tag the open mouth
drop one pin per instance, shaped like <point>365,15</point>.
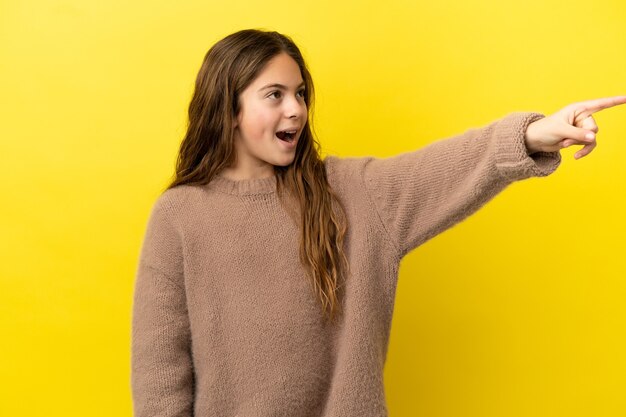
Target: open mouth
<point>286,135</point>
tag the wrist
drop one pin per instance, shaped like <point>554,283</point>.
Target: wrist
<point>529,141</point>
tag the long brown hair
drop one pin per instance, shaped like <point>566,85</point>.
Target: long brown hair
<point>207,148</point>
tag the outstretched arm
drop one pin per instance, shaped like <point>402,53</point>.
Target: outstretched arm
<point>422,193</point>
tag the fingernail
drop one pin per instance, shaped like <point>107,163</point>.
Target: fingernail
<point>590,136</point>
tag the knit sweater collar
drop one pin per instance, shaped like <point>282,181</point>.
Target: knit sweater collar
<point>244,187</point>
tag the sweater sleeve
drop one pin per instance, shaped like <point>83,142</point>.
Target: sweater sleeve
<point>421,193</point>
<point>162,370</point>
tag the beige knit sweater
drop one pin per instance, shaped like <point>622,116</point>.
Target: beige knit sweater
<point>224,319</point>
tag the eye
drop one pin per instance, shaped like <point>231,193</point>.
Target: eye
<point>277,93</point>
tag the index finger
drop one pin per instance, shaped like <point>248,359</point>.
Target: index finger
<point>590,107</point>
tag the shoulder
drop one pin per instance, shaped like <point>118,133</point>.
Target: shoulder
<point>345,169</point>
<point>346,175</point>
<point>174,202</point>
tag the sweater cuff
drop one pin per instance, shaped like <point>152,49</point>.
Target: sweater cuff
<point>512,158</point>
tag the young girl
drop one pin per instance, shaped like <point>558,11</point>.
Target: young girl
<point>266,279</point>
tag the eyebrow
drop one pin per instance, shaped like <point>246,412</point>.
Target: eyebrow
<point>279,86</point>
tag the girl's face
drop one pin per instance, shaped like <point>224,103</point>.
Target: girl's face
<point>272,104</point>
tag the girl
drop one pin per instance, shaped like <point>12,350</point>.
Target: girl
<point>266,279</point>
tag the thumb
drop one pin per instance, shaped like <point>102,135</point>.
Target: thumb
<point>579,135</point>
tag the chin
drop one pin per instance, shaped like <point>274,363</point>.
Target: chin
<point>284,162</point>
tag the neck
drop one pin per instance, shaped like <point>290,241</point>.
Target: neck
<point>239,175</point>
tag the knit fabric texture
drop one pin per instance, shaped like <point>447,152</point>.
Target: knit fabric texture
<point>224,320</point>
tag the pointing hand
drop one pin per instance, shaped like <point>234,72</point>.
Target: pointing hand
<point>572,125</point>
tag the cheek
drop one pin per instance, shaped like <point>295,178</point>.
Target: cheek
<point>260,123</point>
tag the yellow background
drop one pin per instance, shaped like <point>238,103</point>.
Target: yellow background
<point>517,311</point>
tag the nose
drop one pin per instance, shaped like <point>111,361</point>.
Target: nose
<point>295,108</point>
